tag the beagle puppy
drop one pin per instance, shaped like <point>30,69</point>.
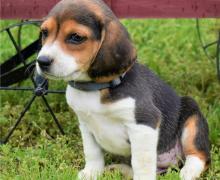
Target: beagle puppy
<point>122,106</point>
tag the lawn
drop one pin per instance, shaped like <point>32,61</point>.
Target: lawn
<point>169,47</point>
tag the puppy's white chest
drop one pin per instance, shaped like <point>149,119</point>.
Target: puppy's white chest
<point>107,122</point>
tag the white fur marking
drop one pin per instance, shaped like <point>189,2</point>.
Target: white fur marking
<point>192,169</point>
<point>101,125</point>
<point>64,66</point>
<point>105,121</point>
<point>93,156</point>
<point>144,141</point>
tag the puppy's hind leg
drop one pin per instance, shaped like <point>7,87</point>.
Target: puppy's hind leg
<point>195,142</point>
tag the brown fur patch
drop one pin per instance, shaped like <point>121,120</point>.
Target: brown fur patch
<point>106,78</point>
<point>51,26</point>
<point>189,148</point>
<point>105,96</point>
<point>83,53</point>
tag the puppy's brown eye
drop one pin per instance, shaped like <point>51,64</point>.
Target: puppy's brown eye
<point>44,33</point>
<point>75,39</point>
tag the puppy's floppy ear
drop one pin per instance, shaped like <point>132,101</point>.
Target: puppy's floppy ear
<point>116,54</point>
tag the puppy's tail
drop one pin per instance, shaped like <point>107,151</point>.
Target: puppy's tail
<point>190,113</point>
<point>124,169</point>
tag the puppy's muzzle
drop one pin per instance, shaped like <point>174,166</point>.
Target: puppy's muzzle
<point>44,62</point>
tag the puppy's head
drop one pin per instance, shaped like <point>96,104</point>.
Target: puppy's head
<point>82,40</point>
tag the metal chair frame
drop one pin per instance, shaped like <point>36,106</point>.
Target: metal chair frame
<point>40,84</point>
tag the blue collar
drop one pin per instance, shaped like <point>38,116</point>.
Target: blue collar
<point>94,86</point>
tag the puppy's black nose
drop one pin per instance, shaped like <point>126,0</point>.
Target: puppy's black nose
<point>44,61</point>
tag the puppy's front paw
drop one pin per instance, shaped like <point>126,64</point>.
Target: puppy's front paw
<point>90,173</point>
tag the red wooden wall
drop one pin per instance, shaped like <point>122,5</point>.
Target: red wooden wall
<point>123,8</point>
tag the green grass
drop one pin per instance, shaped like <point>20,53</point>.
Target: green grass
<point>169,47</point>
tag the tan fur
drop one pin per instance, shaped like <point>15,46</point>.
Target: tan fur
<point>105,96</point>
<point>106,78</point>
<point>51,26</point>
<point>189,147</point>
<point>85,52</point>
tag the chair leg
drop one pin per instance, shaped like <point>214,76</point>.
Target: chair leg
<point>53,115</point>
<point>27,106</point>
